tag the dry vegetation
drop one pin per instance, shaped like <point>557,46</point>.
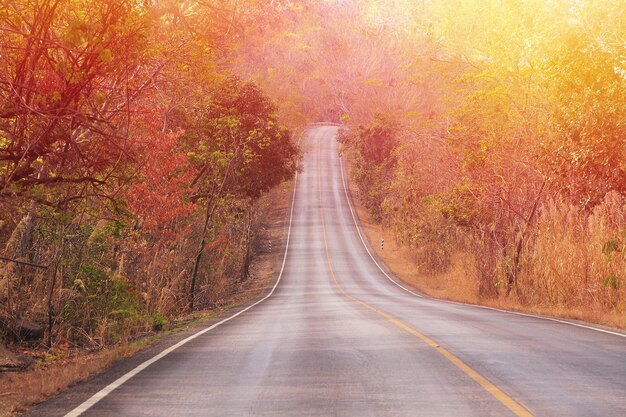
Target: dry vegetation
<point>134,167</point>
<point>491,146</point>
<point>53,370</point>
<point>565,278</point>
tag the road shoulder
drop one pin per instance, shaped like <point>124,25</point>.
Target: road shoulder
<point>396,259</point>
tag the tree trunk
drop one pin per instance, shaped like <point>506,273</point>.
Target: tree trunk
<point>196,265</point>
<point>512,278</point>
<point>53,283</point>
<point>245,270</point>
<point>211,205</point>
<point>18,248</point>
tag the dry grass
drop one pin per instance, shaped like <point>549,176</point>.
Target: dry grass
<point>59,369</point>
<point>565,273</point>
<point>20,390</point>
<point>576,263</point>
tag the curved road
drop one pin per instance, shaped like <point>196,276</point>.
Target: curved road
<point>339,338</point>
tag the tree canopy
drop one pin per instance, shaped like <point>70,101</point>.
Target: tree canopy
<point>137,139</point>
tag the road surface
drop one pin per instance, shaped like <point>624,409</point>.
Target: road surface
<point>338,338</point>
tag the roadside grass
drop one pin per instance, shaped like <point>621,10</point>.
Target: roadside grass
<point>59,368</point>
<point>457,284</point>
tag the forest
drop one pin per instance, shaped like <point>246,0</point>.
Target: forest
<point>138,136</point>
<point>132,160</point>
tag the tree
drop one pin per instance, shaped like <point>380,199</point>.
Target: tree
<point>239,152</point>
<point>66,90</point>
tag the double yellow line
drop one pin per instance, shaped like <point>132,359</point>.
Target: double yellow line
<point>490,387</point>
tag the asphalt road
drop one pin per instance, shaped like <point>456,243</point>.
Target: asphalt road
<point>338,338</point>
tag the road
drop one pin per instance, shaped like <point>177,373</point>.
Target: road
<point>338,338</point>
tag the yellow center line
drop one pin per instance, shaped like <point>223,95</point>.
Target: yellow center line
<point>517,409</point>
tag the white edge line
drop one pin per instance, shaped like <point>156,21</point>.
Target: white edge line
<point>358,230</point>
<point>343,180</point>
<point>115,384</point>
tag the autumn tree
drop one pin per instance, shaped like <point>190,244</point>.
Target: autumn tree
<point>128,150</point>
<point>68,81</point>
<point>69,78</point>
<point>518,106</point>
<point>239,151</point>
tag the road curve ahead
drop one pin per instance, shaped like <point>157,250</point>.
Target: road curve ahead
<point>339,338</point>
